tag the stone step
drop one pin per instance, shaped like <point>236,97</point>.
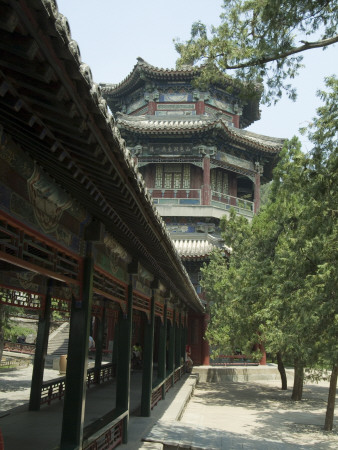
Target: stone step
<point>58,341</point>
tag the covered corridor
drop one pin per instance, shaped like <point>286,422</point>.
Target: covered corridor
<point>79,234</point>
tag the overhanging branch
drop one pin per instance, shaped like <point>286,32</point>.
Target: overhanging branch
<point>293,51</point>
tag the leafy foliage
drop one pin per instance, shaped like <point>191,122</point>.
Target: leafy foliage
<point>261,40</point>
<point>280,285</point>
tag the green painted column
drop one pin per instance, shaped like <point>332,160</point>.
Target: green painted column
<point>162,346</point>
<point>178,343</point>
<point>77,361</point>
<point>183,341</point>
<point>147,373</point>
<point>171,352</point>
<point>161,373</point>
<point>123,358</point>
<point>99,344</point>
<point>41,350</point>
<point>124,354</point>
<point>115,348</point>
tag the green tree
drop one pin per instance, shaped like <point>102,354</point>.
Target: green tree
<point>261,40</point>
<point>322,195</point>
<point>280,286</point>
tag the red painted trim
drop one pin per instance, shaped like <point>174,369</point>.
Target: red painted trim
<point>170,315</point>
<point>22,290</point>
<point>34,268</point>
<point>108,275</point>
<point>26,229</point>
<point>141,295</point>
<point>159,314</point>
<point>109,296</point>
<point>144,297</point>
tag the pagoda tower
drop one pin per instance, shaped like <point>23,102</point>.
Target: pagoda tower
<point>196,158</point>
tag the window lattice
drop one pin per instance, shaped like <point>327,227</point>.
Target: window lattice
<point>172,176</point>
<point>186,176</point>
<point>219,181</point>
<point>158,176</point>
<point>177,180</point>
<point>167,180</point>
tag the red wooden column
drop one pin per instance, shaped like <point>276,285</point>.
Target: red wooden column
<point>232,188</point>
<point>235,120</point>
<point>152,108</point>
<point>206,188</point>
<point>257,191</point>
<point>200,107</point>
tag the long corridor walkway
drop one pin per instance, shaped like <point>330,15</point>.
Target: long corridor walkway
<point>41,430</point>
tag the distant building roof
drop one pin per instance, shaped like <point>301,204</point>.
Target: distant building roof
<point>148,124</point>
<point>198,246</point>
<point>143,72</point>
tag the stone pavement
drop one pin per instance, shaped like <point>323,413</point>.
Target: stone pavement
<point>249,415</point>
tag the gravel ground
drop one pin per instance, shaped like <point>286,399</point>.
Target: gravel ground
<point>15,386</point>
<point>261,415</point>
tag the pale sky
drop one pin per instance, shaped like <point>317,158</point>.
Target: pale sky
<point>111,34</point>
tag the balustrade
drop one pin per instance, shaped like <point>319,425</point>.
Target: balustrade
<point>225,201</point>
<point>176,196</point>
<point>55,389</point>
<point>192,197</point>
<point>157,393</point>
<point>107,437</point>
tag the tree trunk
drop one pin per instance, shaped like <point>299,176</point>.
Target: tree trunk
<point>331,399</point>
<point>281,370</point>
<point>297,391</point>
<point>2,323</point>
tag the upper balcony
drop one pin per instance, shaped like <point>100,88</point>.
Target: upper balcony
<point>188,203</point>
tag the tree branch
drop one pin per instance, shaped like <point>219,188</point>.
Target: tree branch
<point>293,51</point>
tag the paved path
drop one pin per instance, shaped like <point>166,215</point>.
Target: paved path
<point>15,386</point>
<point>249,415</point>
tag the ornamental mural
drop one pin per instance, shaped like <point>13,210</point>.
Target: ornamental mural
<point>31,195</point>
<point>26,280</point>
<point>49,202</point>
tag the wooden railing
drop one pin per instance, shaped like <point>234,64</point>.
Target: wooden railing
<point>55,389</point>
<point>192,197</point>
<point>106,437</point>
<point>166,384</point>
<point>10,362</point>
<point>181,197</point>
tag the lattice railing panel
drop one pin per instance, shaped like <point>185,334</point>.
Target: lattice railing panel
<point>60,304</point>
<point>21,299</point>
<point>170,315</point>
<point>104,284</point>
<point>141,302</point>
<point>17,242</point>
<point>110,438</point>
<point>159,309</point>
